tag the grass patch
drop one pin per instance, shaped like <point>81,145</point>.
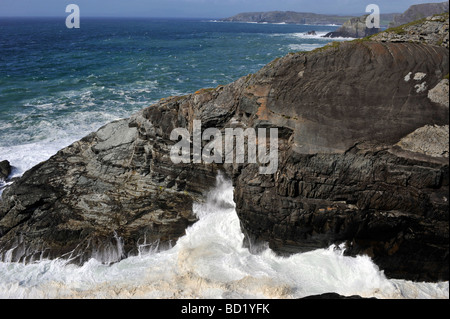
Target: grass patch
<point>201,91</point>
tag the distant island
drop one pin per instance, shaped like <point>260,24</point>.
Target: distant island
<point>350,26</point>
<point>414,12</point>
<point>419,11</point>
<point>291,17</point>
<point>356,27</point>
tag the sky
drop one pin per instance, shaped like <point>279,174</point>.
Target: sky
<point>194,8</point>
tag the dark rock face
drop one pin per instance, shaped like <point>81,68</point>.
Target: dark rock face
<point>333,187</point>
<point>5,170</point>
<point>382,203</point>
<point>342,176</point>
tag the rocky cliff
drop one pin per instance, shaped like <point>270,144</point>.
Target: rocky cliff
<point>353,28</point>
<point>350,117</point>
<point>431,30</point>
<point>419,11</point>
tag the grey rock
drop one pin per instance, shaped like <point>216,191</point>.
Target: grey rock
<point>440,93</point>
<point>429,140</point>
<point>5,170</point>
<point>431,30</point>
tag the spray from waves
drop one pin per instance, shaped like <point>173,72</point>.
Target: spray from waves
<point>37,128</point>
<point>306,41</point>
<point>304,46</point>
<point>211,262</point>
<point>318,35</point>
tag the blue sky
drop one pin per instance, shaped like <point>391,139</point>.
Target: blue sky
<point>194,8</point>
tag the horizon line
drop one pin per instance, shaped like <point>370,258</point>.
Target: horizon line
<point>181,17</point>
<point>115,17</point>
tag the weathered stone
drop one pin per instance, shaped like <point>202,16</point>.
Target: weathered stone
<point>440,93</point>
<point>429,140</point>
<point>5,170</point>
<point>431,30</point>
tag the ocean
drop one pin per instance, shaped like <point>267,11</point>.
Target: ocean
<point>58,85</point>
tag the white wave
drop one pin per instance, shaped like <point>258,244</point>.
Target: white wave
<point>305,35</point>
<point>211,262</point>
<point>319,35</point>
<point>48,137</point>
<point>23,157</point>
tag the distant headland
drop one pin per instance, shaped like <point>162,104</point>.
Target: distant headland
<point>291,17</point>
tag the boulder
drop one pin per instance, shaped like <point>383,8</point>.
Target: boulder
<point>5,170</point>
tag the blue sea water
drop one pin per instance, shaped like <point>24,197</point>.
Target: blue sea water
<point>58,85</point>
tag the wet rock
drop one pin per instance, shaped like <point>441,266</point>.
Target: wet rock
<point>5,170</point>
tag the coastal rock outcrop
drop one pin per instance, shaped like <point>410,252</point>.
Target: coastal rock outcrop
<point>111,194</point>
<point>431,30</point>
<point>5,170</point>
<point>353,28</point>
<point>345,173</point>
